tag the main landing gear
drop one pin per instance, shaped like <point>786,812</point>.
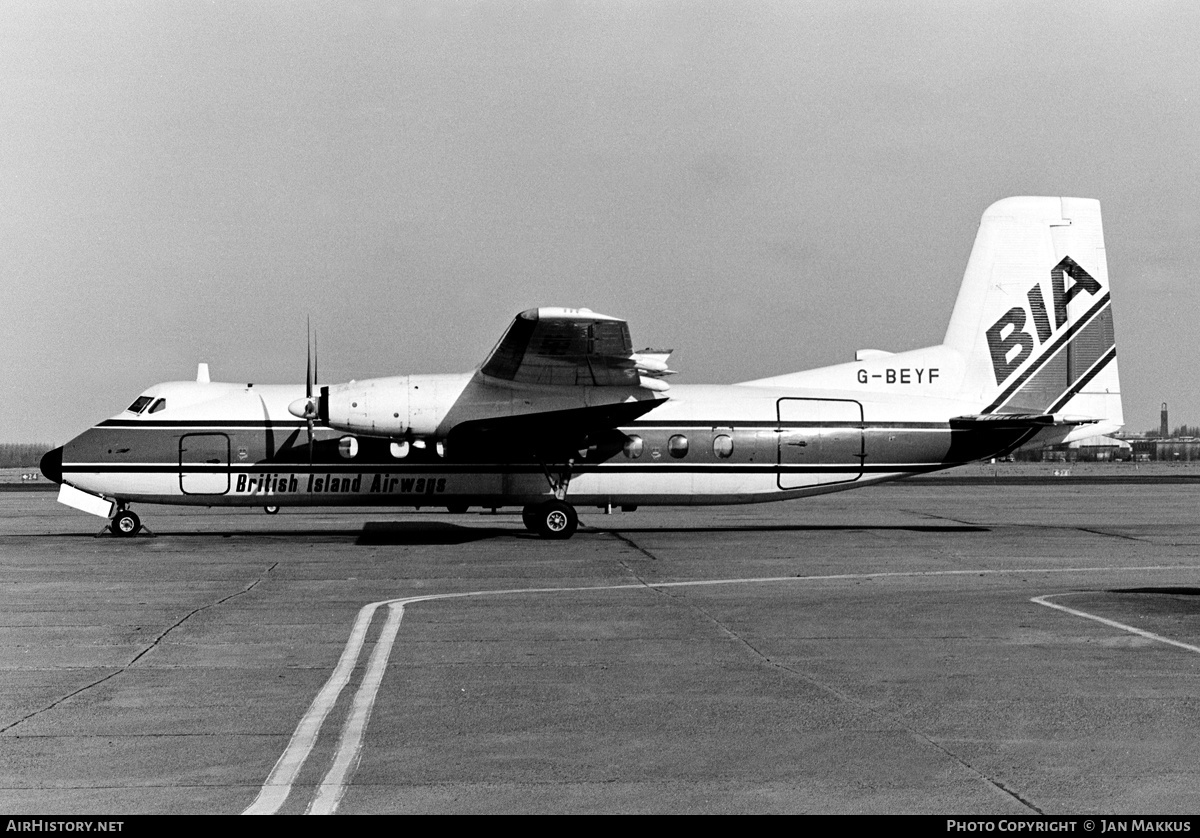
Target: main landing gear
<point>554,519</point>
<point>125,523</point>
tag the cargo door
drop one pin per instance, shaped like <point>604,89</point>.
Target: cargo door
<point>820,442</point>
<point>204,464</point>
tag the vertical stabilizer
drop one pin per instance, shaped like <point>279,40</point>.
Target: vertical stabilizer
<point>1033,320</point>
<point>1031,331</point>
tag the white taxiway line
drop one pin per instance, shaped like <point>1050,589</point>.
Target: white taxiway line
<point>330,792</point>
<point>1044,600</point>
<point>278,785</point>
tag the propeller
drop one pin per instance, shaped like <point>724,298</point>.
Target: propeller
<point>308,408</point>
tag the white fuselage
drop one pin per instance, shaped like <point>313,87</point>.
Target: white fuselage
<point>231,444</point>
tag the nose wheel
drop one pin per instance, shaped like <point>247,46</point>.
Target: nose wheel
<point>125,524</point>
<point>553,519</point>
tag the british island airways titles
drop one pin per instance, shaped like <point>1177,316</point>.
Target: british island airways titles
<point>381,483</point>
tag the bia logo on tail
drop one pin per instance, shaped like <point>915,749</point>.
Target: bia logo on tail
<point>1010,345</point>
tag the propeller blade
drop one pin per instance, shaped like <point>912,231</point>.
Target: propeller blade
<point>309,375</point>
<point>310,379</point>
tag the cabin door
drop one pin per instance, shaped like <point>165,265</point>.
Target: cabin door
<point>204,464</point>
<point>820,442</point>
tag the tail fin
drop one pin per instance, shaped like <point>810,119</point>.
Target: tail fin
<point>1031,332</point>
<point>1033,320</point>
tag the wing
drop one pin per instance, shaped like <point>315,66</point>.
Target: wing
<point>572,347</point>
<point>578,380</point>
<point>559,382</point>
<point>587,434</point>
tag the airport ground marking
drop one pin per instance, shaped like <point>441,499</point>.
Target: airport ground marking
<point>1149,635</point>
<point>330,792</point>
<point>279,783</point>
<point>332,788</point>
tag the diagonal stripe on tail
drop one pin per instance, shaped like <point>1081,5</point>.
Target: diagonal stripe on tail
<point>1065,366</point>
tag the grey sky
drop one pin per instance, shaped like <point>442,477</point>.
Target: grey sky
<point>765,187</point>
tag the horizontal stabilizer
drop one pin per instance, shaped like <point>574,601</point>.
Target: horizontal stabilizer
<point>1021,420</point>
<point>653,361</point>
<point>983,435</point>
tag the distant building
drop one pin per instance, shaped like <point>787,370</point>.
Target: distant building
<point>1096,449</point>
<point>1178,449</point>
<point>1164,449</point>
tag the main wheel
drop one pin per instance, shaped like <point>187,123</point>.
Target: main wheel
<point>125,524</point>
<point>556,519</point>
<point>457,508</point>
<point>271,510</point>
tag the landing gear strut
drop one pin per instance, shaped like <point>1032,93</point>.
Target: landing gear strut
<point>125,523</point>
<point>553,519</point>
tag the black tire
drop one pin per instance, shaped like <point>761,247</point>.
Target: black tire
<point>457,508</point>
<point>125,524</point>
<point>556,520</point>
<point>271,510</point>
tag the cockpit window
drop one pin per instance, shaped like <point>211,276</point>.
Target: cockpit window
<point>139,404</point>
<point>161,404</point>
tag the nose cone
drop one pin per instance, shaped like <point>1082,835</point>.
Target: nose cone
<point>51,465</point>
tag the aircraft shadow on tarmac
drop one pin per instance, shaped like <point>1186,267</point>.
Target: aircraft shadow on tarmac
<point>396,532</point>
<point>376,533</point>
<point>933,528</point>
<point>371,534</point>
<point>422,532</point>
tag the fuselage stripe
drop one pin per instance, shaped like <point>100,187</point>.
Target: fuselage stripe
<point>484,468</point>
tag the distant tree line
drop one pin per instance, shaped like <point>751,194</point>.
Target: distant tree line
<point>1182,430</point>
<point>22,454</point>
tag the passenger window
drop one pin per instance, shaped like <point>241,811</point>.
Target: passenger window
<point>139,404</point>
<point>161,404</point>
<point>723,446</point>
<point>633,447</point>
<point>677,446</point>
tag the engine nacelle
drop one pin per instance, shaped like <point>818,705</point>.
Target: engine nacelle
<point>403,405</point>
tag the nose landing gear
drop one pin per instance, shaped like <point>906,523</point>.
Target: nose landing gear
<point>125,523</point>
